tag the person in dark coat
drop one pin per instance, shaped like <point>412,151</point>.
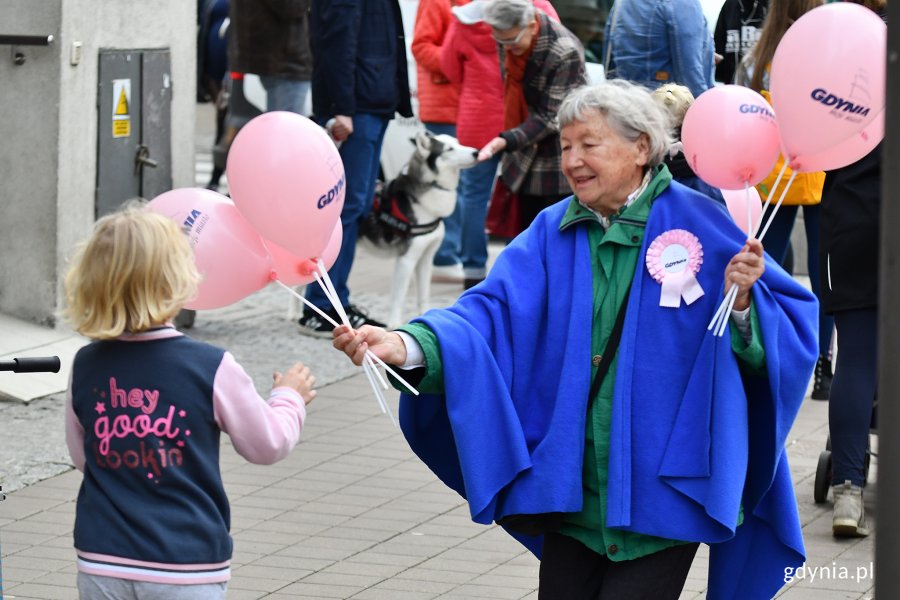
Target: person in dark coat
<point>212,66</point>
<point>737,30</point>
<point>270,38</point>
<point>359,82</point>
<point>849,243</point>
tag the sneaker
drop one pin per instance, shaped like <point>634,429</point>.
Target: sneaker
<point>822,377</point>
<point>849,514</point>
<point>312,324</point>
<point>448,273</point>
<point>358,318</point>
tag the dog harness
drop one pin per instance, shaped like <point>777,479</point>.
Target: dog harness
<point>393,210</point>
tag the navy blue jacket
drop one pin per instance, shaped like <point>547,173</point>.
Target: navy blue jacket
<point>152,476</point>
<point>359,58</point>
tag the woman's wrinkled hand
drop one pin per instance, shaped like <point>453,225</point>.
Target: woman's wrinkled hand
<point>498,144</point>
<point>386,345</point>
<point>744,269</point>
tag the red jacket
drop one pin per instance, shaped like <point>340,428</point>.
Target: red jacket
<point>438,98</point>
<point>469,58</point>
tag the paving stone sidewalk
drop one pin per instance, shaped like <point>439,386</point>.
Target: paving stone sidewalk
<point>352,513</point>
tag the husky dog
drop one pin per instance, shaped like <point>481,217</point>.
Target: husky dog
<point>406,221</point>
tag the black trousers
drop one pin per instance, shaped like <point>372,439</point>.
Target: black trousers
<point>853,393</point>
<point>572,571</point>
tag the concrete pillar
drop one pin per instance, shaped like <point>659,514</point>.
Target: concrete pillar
<point>48,130</point>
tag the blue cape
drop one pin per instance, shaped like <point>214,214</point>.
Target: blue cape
<point>690,430</point>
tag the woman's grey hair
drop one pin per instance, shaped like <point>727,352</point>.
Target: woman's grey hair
<point>506,14</point>
<point>629,110</point>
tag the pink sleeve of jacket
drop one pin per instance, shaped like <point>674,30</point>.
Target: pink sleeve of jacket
<point>74,432</point>
<point>262,431</point>
<point>452,57</point>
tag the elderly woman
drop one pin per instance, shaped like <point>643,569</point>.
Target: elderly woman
<point>577,398</point>
<point>542,62</point>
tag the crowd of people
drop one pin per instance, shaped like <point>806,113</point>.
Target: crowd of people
<point>598,422</point>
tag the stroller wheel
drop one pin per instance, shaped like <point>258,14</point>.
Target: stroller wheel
<point>823,477</point>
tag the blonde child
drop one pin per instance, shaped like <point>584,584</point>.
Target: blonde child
<point>676,99</point>
<point>145,407</point>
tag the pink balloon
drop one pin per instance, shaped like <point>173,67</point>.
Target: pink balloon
<point>828,77</point>
<point>293,270</point>
<point>847,152</point>
<point>228,252</point>
<point>730,137</point>
<point>286,177</point>
<point>737,200</point>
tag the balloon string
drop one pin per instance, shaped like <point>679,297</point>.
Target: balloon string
<point>770,194</point>
<point>716,321</point>
<point>727,314</point>
<point>309,304</point>
<point>749,209</point>
<point>370,356</point>
<point>720,318</point>
<point>777,206</point>
<point>369,367</point>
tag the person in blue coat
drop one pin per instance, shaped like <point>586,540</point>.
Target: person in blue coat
<point>614,481</point>
<point>654,42</point>
<point>359,82</point>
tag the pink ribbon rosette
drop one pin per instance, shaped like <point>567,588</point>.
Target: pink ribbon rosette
<point>673,259</point>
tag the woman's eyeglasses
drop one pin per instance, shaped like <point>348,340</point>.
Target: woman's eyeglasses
<point>513,41</point>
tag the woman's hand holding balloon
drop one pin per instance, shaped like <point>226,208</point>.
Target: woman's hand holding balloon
<point>386,345</point>
<point>745,268</point>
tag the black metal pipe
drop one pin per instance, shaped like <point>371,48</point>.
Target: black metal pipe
<point>36,364</point>
<point>887,540</point>
<point>25,40</point>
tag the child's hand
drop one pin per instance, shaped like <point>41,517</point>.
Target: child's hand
<point>299,378</point>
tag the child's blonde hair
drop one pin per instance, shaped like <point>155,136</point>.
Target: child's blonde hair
<point>677,99</point>
<point>135,272</point>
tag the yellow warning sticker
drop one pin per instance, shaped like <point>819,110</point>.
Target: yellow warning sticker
<point>121,117</point>
<point>121,129</point>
